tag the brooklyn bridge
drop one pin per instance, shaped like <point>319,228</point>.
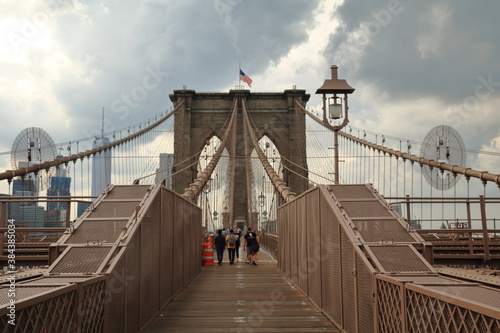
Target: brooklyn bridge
<point>359,231</point>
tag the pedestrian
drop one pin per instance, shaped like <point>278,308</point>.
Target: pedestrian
<point>237,232</point>
<point>251,246</point>
<point>231,245</point>
<point>220,245</point>
<point>256,248</point>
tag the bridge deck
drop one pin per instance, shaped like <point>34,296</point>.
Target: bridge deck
<point>241,298</point>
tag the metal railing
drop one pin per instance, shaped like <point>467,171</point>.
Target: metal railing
<point>270,243</point>
<point>34,235</point>
<point>440,305</point>
<point>133,250</point>
<point>356,259</point>
<point>473,237</point>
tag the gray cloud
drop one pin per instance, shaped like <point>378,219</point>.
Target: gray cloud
<point>469,47</point>
<point>103,54</point>
<point>189,40</point>
<point>423,49</point>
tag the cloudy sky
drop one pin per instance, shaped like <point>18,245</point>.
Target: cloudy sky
<point>414,64</point>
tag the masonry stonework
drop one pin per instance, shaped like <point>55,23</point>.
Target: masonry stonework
<point>273,115</point>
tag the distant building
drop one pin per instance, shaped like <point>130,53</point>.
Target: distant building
<point>81,208</point>
<point>33,216</point>
<point>397,208</point>
<point>101,167</point>
<point>26,213</point>
<point>26,186</point>
<point>30,183</point>
<point>16,210</point>
<point>59,185</point>
<point>165,169</point>
<point>416,224</point>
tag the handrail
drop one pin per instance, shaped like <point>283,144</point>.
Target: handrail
<point>10,174</point>
<point>455,169</point>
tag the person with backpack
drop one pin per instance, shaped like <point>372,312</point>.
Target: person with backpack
<point>251,246</point>
<point>231,245</point>
<point>237,232</point>
<point>220,245</point>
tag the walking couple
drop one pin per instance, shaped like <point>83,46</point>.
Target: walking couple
<point>231,240</point>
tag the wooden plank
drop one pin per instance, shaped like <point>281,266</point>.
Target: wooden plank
<point>241,298</point>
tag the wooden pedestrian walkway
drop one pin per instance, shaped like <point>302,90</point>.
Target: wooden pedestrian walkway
<point>241,298</point>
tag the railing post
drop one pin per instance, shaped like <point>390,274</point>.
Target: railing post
<point>3,220</point>
<point>408,215</point>
<point>486,237</point>
<point>68,212</point>
<point>336,154</point>
<point>404,305</point>
<point>3,213</point>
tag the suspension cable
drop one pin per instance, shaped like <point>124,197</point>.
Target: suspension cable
<point>455,169</point>
<point>194,189</point>
<point>276,180</point>
<point>10,174</point>
<point>301,167</point>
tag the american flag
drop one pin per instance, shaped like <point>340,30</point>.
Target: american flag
<point>245,78</point>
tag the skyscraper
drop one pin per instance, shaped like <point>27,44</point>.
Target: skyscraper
<point>22,187</point>
<point>29,183</point>
<point>59,185</point>
<point>101,166</point>
<point>165,169</point>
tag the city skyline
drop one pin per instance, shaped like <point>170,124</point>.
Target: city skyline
<point>415,65</point>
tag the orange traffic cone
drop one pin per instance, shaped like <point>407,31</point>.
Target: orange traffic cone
<point>208,253</point>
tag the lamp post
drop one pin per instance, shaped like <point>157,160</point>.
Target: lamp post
<point>261,204</point>
<point>206,190</point>
<point>265,222</point>
<point>336,110</point>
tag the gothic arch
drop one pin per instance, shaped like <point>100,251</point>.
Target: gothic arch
<point>274,115</point>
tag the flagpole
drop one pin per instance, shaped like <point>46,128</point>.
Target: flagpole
<point>239,76</point>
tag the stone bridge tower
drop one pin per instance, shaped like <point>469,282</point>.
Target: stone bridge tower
<point>273,114</point>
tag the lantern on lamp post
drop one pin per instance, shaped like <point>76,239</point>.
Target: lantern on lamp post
<point>261,204</point>
<point>337,108</point>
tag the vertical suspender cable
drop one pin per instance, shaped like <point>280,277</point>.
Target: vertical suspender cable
<point>404,176</point>
<point>421,194</point>
<point>390,177</point>
<point>430,210</point>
